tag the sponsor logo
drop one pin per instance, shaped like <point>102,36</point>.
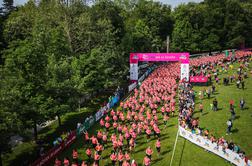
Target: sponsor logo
<point>206,144</point>
<point>135,56</point>
<point>198,140</point>
<point>183,57</point>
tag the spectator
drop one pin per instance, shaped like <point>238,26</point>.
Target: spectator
<point>229,126</point>
<point>213,88</point>
<point>208,93</point>
<point>201,108</point>
<point>242,103</point>
<point>238,83</point>
<point>231,103</point>
<point>232,113</point>
<point>215,104</point>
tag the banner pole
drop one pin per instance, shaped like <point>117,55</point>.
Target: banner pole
<point>174,147</point>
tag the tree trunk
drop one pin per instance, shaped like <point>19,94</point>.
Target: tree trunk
<point>1,162</point>
<point>35,130</point>
<point>59,120</point>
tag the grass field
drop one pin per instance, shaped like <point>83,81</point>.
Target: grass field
<point>188,154</point>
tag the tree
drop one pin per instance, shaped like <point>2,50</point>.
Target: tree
<point>26,75</point>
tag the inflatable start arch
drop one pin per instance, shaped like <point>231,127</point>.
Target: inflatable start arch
<point>159,57</point>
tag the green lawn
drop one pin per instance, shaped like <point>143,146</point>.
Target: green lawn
<point>187,153</point>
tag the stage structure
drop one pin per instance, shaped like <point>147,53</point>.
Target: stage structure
<point>159,57</point>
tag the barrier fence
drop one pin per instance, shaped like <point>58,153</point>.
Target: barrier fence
<point>205,143</point>
<point>52,153</point>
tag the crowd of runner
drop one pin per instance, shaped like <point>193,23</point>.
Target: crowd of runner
<point>139,116</point>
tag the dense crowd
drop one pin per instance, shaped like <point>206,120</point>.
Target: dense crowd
<point>139,116</point>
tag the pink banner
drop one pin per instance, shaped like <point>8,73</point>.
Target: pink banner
<point>182,57</point>
<point>198,79</point>
<point>52,153</point>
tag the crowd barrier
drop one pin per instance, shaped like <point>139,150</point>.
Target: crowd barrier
<point>45,159</point>
<point>87,124</point>
<point>205,143</point>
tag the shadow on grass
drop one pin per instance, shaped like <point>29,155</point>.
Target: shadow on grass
<point>156,160</point>
<point>235,130</point>
<point>245,108</point>
<point>205,113</point>
<point>164,137</point>
<point>140,150</point>
<point>164,152</point>
<point>194,112</point>
<point>211,97</point>
<point>237,117</point>
<point>171,125</point>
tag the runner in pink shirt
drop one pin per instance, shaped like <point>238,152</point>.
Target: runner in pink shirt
<point>120,158</point>
<point>149,152</point>
<point>87,140</point>
<point>119,128</point>
<point>115,125</point>
<point>107,125</point>
<point>107,118</point>
<point>125,163</point>
<point>166,117</point>
<point>113,158</point>
<point>133,163</point>
<point>158,146</point>
<point>148,132</point>
<point>146,161</point>
<point>127,156</point>
<point>89,154</point>
<point>99,136</point>
<point>115,145</point>
<point>102,123</point>
<point>104,139</point>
